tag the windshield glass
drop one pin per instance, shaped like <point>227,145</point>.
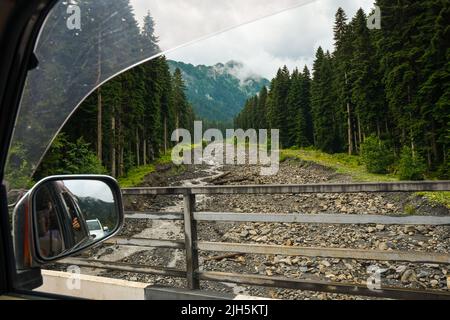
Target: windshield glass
<point>94,225</point>
<point>86,42</point>
<point>286,127</point>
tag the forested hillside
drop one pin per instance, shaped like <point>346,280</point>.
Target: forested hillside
<point>127,122</point>
<point>383,94</point>
<point>218,92</point>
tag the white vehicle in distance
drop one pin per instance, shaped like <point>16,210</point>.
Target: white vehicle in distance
<point>96,229</point>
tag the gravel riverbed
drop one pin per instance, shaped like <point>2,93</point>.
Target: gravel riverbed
<point>375,237</point>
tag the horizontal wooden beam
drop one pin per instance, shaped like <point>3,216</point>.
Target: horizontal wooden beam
<point>143,242</point>
<point>121,266</point>
<point>154,191</point>
<point>153,215</point>
<point>339,253</point>
<point>413,186</point>
<point>323,286</point>
<point>323,218</point>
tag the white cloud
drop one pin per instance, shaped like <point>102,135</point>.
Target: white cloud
<point>290,37</point>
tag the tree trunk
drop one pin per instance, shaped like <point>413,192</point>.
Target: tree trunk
<point>113,146</point>
<point>120,148</point>
<point>144,151</point>
<point>177,125</point>
<point>387,127</point>
<point>137,148</point>
<point>359,130</point>
<point>99,125</point>
<point>349,123</point>
<point>99,101</point>
<point>165,134</point>
<point>413,144</point>
<point>349,133</point>
<point>121,166</point>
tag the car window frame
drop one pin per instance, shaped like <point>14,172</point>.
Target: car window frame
<point>21,24</point>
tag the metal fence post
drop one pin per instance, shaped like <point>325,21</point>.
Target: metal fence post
<point>190,236</point>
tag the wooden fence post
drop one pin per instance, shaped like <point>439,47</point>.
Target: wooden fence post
<point>190,236</point>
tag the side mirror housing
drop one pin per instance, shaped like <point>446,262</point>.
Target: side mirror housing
<point>52,220</point>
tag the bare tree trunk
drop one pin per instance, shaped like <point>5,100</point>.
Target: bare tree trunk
<point>177,125</point>
<point>349,123</point>
<point>144,151</point>
<point>99,126</point>
<point>120,149</point>
<point>99,102</point>
<point>359,131</point>
<point>413,147</point>
<point>137,148</point>
<point>121,166</point>
<point>413,144</point>
<point>349,133</point>
<point>165,134</point>
<point>113,146</point>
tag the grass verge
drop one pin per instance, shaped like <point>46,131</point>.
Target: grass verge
<point>136,175</point>
<point>353,166</point>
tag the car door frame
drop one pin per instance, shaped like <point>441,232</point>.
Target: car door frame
<point>20,25</point>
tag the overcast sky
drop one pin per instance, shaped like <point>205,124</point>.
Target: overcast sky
<point>267,34</point>
<point>91,188</point>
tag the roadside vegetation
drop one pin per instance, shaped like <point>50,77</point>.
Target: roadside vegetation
<point>369,96</point>
<point>135,176</point>
<point>356,167</point>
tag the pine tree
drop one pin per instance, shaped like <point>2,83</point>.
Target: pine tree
<point>151,46</point>
<point>305,133</point>
<point>365,83</point>
<point>326,133</point>
<point>343,34</point>
<point>261,112</point>
<point>296,123</point>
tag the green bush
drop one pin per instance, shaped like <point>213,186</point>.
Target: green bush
<point>66,157</point>
<point>376,156</point>
<point>18,170</point>
<point>411,167</point>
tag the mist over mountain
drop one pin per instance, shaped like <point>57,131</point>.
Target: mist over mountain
<point>219,92</point>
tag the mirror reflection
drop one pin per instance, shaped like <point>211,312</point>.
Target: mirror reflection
<point>72,214</point>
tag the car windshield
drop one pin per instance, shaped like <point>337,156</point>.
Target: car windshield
<point>293,133</point>
<point>84,43</point>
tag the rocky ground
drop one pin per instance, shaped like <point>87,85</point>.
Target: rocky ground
<point>379,237</point>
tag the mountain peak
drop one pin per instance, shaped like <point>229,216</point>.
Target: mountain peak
<point>234,64</point>
<point>218,92</point>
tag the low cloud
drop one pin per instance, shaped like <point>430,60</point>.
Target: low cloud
<point>287,38</point>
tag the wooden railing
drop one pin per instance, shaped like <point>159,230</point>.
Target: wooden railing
<point>192,246</point>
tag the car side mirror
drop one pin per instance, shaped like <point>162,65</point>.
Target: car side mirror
<point>52,221</point>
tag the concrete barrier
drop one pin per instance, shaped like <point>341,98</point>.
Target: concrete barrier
<point>91,287</point>
<point>100,288</point>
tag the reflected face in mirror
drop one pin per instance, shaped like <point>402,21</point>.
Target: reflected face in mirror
<point>72,214</point>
